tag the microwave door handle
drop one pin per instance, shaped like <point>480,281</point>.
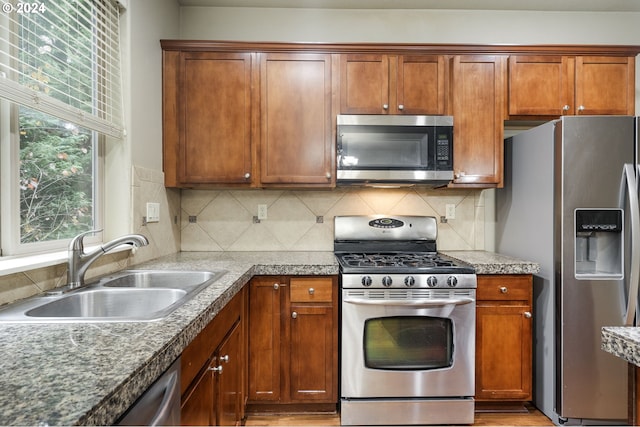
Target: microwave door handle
<point>411,303</point>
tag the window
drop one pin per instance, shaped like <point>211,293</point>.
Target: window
<point>61,100</point>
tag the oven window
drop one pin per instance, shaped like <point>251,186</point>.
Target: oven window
<point>408,343</point>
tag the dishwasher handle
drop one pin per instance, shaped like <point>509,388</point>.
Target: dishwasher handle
<point>164,414</point>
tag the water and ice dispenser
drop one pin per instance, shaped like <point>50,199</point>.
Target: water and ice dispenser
<point>599,244</point>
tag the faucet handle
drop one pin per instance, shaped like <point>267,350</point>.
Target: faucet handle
<point>76,242</point>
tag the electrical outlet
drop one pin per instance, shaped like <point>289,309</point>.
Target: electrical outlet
<point>262,212</point>
<point>450,211</point>
<point>153,212</point>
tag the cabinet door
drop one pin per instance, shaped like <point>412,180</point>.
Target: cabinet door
<point>214,116</point>
<point>264,342</point>
<point>364,84</point>
<point>478,103</point>
<point>504,337</point>
<point>312,353</point>
<point>503,359</point>
<point>197,405</point>
<point>229,390</point>
<point>541,85</point>
<point>605,85</point>
<point>420,85</point>
<point>297,124</point>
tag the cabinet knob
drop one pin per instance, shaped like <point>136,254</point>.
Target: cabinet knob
<point>385,106</point>
<point>581,108</point>
<point>400,107</point>
<point>224,358</point>
<point>312,291</point>
<point>294,315</point>
<point>217,369</point>
<point>565,108</point>
<point>527,314</point>
<point>276,286</point>
<point>504,289</point>
<point>247,175</point>
<point>328,175</point>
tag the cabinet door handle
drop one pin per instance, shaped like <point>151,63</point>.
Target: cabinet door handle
<point>294,315</point>
<point>565,108</point>
<point>503,289</point>
<point>217,369</point>
<point>385,106</point>
<point>276,286</point>
<point>328,175</point>
<point>312,291</point>
<point>400,107</point>
<point>528,315</point>
<point>224,358</point>
<point>580,108</point>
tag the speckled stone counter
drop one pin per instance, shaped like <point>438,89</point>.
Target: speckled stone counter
<point>493,263</point>
<point>622,341</point>
<point>90,373</point>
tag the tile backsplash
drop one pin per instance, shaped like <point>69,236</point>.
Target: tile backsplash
<point>303,220</point>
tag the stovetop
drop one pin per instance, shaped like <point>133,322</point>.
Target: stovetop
<point>401,263</point>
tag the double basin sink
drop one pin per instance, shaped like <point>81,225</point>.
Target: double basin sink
<point>127,296</point>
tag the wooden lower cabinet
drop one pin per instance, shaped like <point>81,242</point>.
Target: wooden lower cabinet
<point>213,370</point>
<point>504,338</point>
<point>293,342</point>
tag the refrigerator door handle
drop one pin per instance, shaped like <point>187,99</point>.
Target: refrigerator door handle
<point>629,182</point>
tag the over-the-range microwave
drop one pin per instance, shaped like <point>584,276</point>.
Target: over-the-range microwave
<point>394,149</point>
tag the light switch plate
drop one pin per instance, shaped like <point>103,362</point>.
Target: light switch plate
<point>153,212</point>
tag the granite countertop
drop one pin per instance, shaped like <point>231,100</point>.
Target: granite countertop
<point>90,373</point>
<point>493,263</point>
<point>622,341</point>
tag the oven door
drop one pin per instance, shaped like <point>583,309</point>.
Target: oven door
<point>408,343</point>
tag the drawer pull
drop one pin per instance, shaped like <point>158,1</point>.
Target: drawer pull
<point>527,314</point>
<point>217,369</point>
<point>294,315</point>
<point>225,358</point>
<point>312,291</point>
<point>503,289</point>
<point>276,286</point>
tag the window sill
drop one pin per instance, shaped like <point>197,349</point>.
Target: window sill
<point>22,263</point>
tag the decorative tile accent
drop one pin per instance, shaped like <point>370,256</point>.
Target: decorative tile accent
<point>225,218</point>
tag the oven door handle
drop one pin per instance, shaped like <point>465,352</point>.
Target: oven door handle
<point>411,303</point>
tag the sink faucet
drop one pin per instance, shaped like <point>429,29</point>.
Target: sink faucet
<point>79,261</point>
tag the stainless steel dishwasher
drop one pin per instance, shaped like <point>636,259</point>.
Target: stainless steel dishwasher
<point>159,405</point>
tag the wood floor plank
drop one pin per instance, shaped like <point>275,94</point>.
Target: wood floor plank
<point>532,417</point>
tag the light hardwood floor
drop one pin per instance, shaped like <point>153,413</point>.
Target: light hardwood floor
<point>532,417</point>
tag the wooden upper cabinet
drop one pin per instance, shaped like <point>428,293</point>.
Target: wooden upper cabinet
<point>213,118</point>
<point>297,120</point>
<point>605,85</point>
<point>540,85</point>
<point>570,85</point>
<point>392,84</point>
<point>477,91</point>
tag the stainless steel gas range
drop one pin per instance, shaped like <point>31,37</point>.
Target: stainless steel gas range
<point>407,324</point>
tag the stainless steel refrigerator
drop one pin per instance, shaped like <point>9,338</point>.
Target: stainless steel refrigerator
<point>570,203</point>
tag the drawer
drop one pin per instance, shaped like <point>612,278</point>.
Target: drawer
<point>310,289</point>
<point>504,287</point>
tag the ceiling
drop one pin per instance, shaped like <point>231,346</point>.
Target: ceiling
<point>534,5</point>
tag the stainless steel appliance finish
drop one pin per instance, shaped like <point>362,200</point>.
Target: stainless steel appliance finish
<point>570,204</point>
<point>160,404</point>
<point>378,149</point>
<point>408,324</point>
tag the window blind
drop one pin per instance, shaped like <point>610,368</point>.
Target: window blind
<point>63,58</point>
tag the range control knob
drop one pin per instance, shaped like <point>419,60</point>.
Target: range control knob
<point>366,281</point>
<point>386,281</point>
<point>409,281</point>
<point>452,281</point>
<point>432,281</point>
